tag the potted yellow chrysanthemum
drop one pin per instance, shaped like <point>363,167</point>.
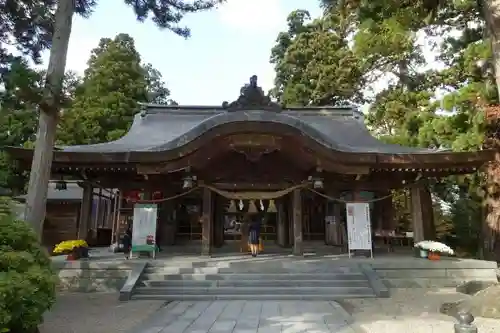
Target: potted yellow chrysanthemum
<point>75,249</point>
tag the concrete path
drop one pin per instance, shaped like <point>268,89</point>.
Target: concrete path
<point>248,317</point>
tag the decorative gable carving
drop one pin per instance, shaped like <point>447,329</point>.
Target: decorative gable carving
<point>252,97</point>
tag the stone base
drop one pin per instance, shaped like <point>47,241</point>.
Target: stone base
<point>448,272</point>
<point>395,272</point>
<point>88,276</point>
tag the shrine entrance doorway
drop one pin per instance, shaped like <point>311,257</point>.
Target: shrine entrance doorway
<point>232,218</point>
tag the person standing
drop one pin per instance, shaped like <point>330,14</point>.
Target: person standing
<point>127,242</point>
<point>254,236</point>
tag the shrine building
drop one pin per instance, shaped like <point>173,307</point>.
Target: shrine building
<point>209,167</point>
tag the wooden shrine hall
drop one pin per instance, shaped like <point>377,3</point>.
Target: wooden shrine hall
<point>208,168</point>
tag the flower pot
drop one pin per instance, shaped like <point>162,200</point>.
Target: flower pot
<point>423,253</point>
<point>434,256</point>
<point>80,252</point>
<point>84,252</point>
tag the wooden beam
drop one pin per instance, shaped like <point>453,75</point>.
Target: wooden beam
<point>85,212</point>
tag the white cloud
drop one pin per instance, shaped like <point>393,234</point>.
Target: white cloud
<point>253,15</point>
<point>79,52</point>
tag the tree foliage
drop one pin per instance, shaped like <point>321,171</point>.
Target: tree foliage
<point>107,99</point>
<point>165,14</point>
<point>377,52</point>
<point>22,89</point>
<point>314,63</point>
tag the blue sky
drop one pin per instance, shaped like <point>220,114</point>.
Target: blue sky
<point>227,46</point>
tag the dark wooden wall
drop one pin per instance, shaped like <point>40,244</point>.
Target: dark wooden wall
<point>61,222</point>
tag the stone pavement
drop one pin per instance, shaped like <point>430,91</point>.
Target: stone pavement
<point>96,313</point>
<point>248,317</point>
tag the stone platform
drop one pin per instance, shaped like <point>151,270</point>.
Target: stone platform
<point>106,271</point>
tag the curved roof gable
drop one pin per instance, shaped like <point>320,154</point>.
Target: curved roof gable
<point>160,128</point>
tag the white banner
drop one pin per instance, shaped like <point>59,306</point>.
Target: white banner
<point>359,232</point>
<point>144,228</point>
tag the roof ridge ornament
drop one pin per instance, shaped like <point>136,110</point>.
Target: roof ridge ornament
<point>252,97</point>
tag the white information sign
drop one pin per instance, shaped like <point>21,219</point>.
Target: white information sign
<point>144,228</point>
<point>359,235</point>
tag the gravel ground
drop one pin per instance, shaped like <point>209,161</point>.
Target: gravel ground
<point>96,313</point>
<point>411,311</point>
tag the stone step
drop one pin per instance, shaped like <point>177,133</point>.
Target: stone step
<point>182,270</point>
<point>252,269</point>
<point>254,276</point>
<point>256,283</point>
<point>255,290</point>
<point>251,297</point>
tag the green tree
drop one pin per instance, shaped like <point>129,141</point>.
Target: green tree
<point>406,111</point>
<point>472,78</point>
<point>166,14</point>
<point>157,92</point>
<point>22,88</point>
<point>107,100</point>
<point>314,63</point>
<point>19,29</point>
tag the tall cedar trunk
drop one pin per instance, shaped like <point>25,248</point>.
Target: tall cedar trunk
<point>491,225</point>
<point>49,112</point>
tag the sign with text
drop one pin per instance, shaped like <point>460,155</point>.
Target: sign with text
<point>359,234</point>
<point>144,228</point>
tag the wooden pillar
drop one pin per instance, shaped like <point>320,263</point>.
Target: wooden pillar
<point>390,222</point>
<point>422,213</point>
<point>298,246</point>
<point>333,227</point>
<point>207,223</point>
<point>341,228</point>
<point>282,236</point>
<point>377,216</point>
<point>85,211</point>
<point>428,213</point>
<point>383,212</point>
<point>289,220</point>
<point>218,230</point>
<point>329,223</point>
<point>167,221</point>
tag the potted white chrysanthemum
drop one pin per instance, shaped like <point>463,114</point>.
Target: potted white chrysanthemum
<point>433,250</point>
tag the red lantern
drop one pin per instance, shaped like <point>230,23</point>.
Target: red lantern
<point>132,195</point>
<point>157,195</point>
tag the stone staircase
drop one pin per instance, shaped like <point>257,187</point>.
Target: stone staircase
<point>258,279</point>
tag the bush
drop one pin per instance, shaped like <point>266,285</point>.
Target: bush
<point>27,281</point>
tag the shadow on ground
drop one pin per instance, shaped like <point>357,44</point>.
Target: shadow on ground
<point>96,313</point>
